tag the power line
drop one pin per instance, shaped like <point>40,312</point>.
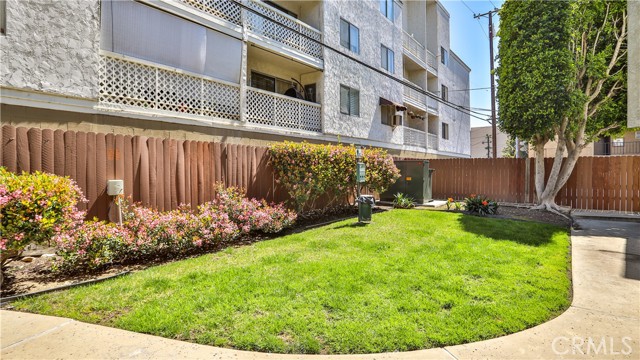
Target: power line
<point>494,5</point>
<point>479,23</point>
<point>482,88</point>
<point>405,83</point>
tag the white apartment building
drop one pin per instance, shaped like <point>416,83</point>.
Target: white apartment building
<point>242,71</point>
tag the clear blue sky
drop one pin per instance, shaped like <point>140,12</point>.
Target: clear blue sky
<point>469,40</point>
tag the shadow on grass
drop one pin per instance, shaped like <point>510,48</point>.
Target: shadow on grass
<point>350,225</point>
<point>522,232</point>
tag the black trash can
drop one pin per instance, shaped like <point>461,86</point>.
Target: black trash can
<point>365,206</point>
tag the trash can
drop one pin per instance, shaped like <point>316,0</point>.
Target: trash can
<point>365,204</point>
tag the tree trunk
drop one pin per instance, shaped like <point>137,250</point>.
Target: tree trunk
<point>539,179</point>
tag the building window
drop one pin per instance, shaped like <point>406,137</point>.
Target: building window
<point>444,92</point>
<point>3,17</point>
<point>269,83</point>
<point>386,8</point>
<point>386,114</point>
<point>349,101</point>
<point>445,131</point>
<point>349,36</point>
<point>444,56</point>
<point>386,57</point>
<point>637,135</point>
<point>618,142</point>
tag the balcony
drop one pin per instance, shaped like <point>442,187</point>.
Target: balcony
<point>414,97</point>
<point>142,86</point>
<point>419,54</point>
<point>432,103</point>
<point>271,109</point>
<point>139,86</point>
<point>263,30</point>
<point>432,141</point>
<point>414,137</point>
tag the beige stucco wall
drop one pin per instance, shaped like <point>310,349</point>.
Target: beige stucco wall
<point>478,135</point>
<point>51,46</point>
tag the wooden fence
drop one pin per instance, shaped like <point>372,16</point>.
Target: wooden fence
<point>161,173</point>
<point>600,182</point>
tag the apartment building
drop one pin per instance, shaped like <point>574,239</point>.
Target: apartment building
<point>376,73</point>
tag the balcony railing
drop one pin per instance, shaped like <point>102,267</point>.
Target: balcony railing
<point>415,137</point>
<point>432,141</point>
<point>432,103</point>
<point>162,90</point>
<point>613,148</point>
<point>267,108</point>
<point>415,96</point>
<point>288,35</point>
<point>414,47</point>
<point>137,85</point>
<point>432,62</point>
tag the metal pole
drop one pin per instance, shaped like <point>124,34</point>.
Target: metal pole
<point>517,148</point>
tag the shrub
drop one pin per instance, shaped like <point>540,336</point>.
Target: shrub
<point>148,233</point>
<point>34,208</point>
<point>480,205</point>
<point>308,171</point>
<point>402,201</point>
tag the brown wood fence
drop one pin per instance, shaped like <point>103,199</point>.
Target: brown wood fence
<point>161,173</point>
<point>600,182</point>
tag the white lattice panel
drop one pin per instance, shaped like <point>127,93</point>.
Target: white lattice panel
<point>283,34</point>
<point>227,10</point>
<point>265,108</point>
<point>133,84</point>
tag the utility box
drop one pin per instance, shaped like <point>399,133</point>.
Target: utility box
<point>115,187</point>
<point>415,181</point>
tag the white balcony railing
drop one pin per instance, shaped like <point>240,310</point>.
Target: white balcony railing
<point>288,35</point>
<point>414,47</point>
<point>432,62</point>
<point>415,96</point>
<point>158,89</point>
<point>415,137</point>
<point>432,102</point>
<point>432,141</point>
<point>267,108</point>
<point>137,85</point>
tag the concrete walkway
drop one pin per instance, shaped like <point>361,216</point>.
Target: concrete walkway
<point>603,322</point>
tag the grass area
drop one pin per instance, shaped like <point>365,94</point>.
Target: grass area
<point>410,280</point>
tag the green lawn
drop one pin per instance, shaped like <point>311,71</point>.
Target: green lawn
<point>412,279</point>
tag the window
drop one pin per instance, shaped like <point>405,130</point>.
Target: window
<point>618,142</point>
<point>3,17</point>
<point>386,8</point>
<point>637,135</point>
<point>444,56</point>
<point>349,36</point>
<point>386,57</point>
<point>386,114</point>
<point>444,93</point>
<point>269,83</point>
<point>349,101</point>
<point>445,131</point>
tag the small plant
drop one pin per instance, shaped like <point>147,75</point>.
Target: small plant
<point>402,201</point>
<point>480,205</point>
<point>449,202</point>
<point>458,206</point>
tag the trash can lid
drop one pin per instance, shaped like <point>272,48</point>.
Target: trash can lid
<point>366,199</point>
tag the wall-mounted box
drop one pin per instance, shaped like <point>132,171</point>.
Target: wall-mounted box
<point>115,187</point>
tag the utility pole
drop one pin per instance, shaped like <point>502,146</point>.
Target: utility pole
<point>489,14</point>
<point>488,143</point>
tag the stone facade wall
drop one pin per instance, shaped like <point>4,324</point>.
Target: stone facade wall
<point>52,46</point>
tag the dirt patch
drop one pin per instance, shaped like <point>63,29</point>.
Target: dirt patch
<point>523,213</point>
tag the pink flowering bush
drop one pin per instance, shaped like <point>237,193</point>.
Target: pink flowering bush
<point>35,208</point>
<point>309,171</point>
<point>148,233</point>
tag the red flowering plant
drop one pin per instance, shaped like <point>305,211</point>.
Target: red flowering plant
<point>478,204</point>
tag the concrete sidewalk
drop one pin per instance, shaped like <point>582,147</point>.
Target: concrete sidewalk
<point>603,321</point>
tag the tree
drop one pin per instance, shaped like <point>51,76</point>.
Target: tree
<point>562,76</point>
<point>509,150</point>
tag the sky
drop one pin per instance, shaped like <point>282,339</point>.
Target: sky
<point>470,42</point>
